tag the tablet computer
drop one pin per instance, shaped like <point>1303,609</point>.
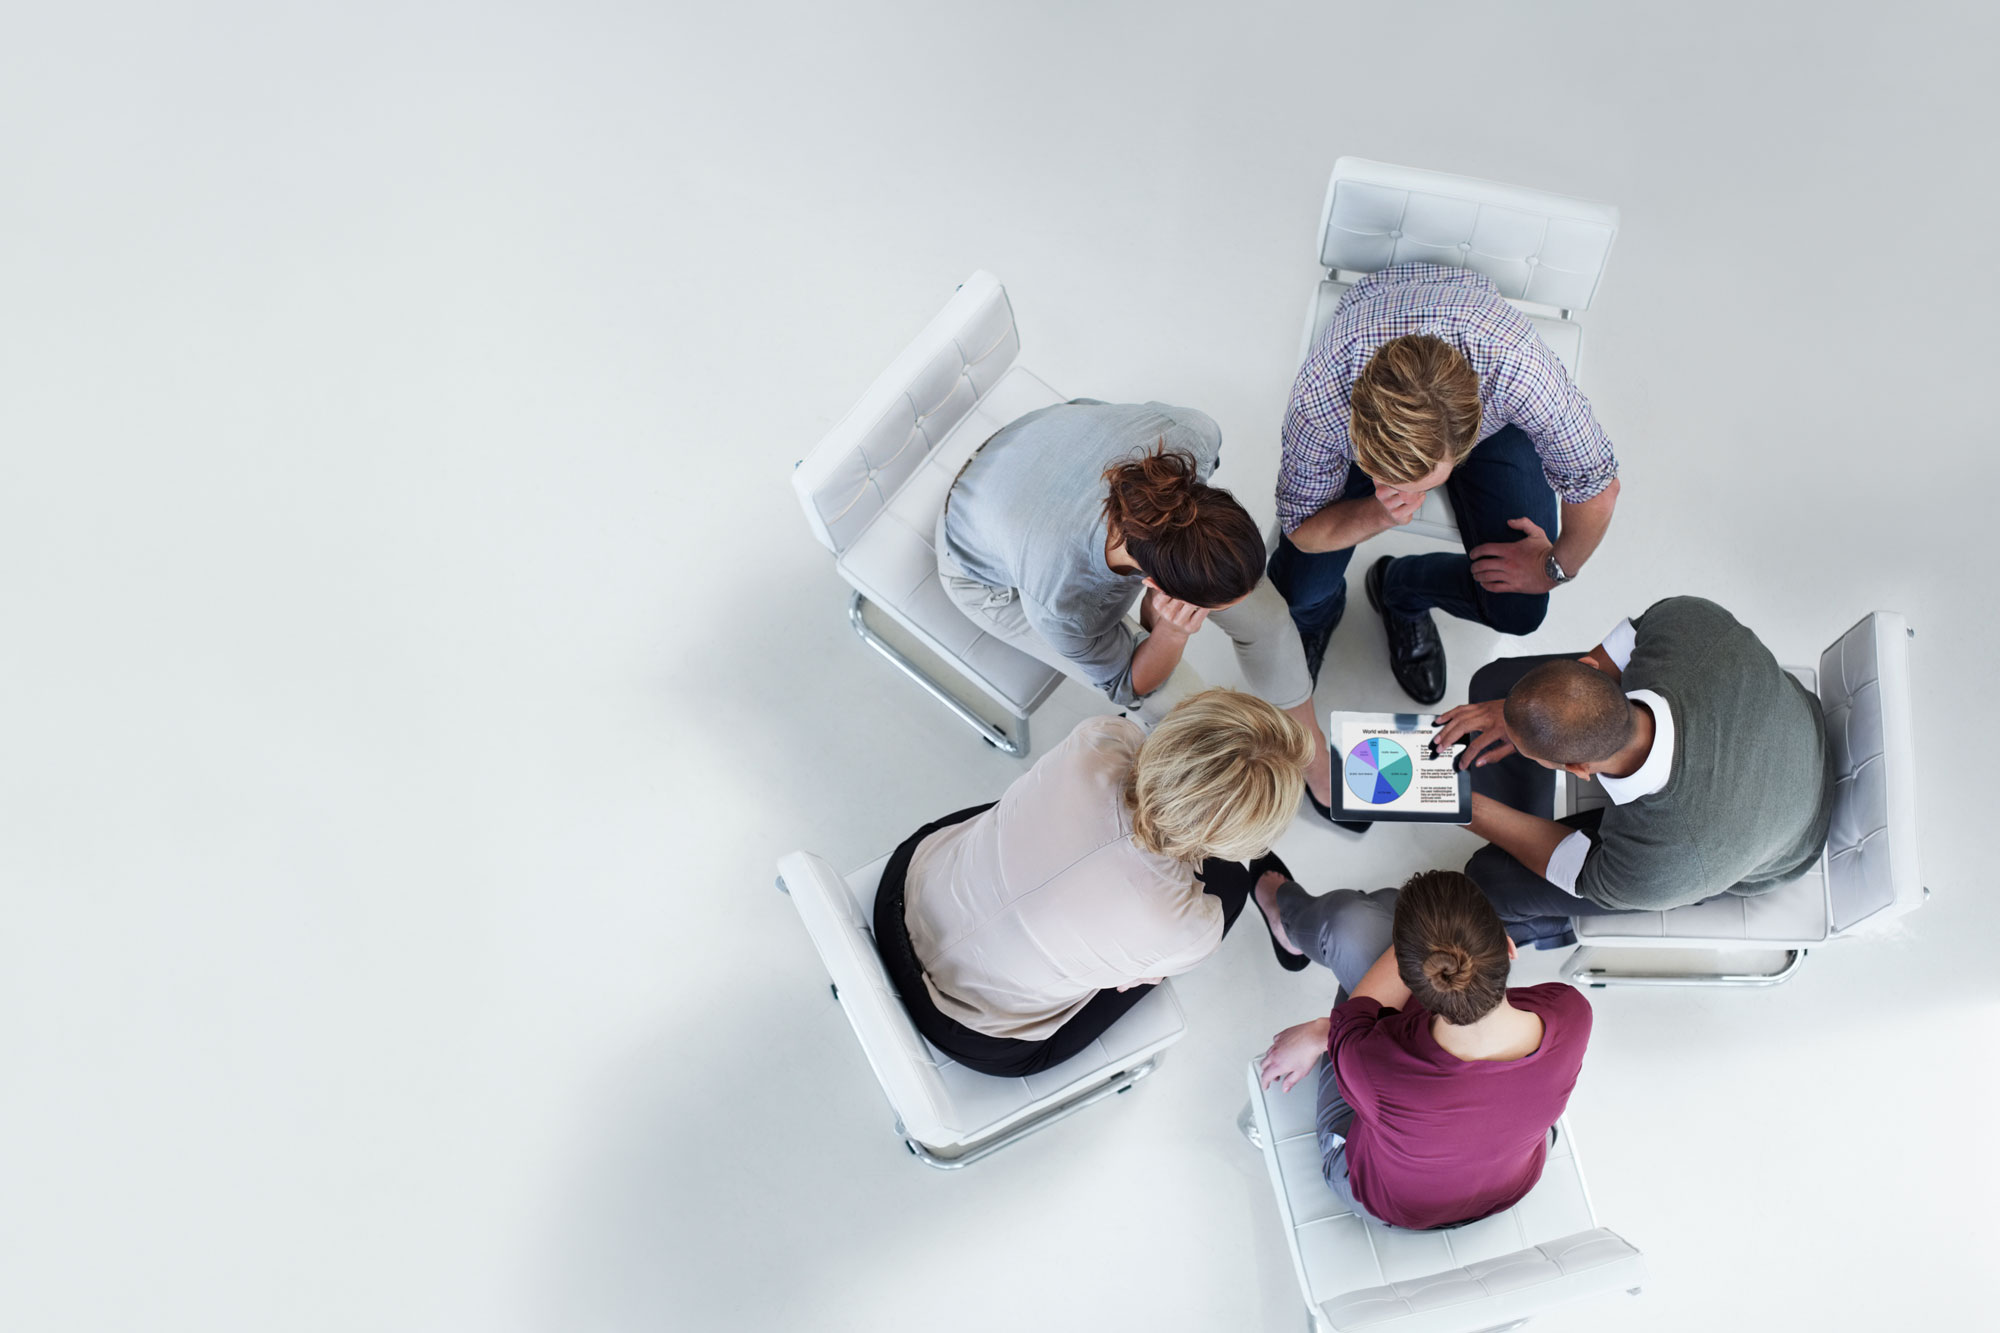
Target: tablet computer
<point>1384,770</point>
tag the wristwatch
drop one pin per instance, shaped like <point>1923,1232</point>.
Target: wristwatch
<point>1554,570</point>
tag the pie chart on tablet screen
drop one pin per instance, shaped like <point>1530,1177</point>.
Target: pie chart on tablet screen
<point>1379,770</point>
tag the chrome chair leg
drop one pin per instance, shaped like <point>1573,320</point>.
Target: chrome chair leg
<point>1578,972</point>
<point>1015,745</point>
<point>1117,1083</point>
<point>1246,1125</point>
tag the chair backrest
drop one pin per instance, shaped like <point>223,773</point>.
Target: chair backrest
<point>1494,1293</point>
<point>864,460</point>
<point>1547,248</point>
<point>896,1051</point>
<point>1871,847</point>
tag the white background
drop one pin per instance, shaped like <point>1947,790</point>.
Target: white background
<point>412,659</point>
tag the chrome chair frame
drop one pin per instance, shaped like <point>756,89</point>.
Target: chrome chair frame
<point>1015,746</point>
<point>1122,1081</point>
<point>962,1155</point>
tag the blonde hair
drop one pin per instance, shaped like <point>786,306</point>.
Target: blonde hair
<point>1221,776</point>
<point>1415,405</point>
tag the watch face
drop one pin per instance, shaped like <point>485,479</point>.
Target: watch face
<point>1555,571</point>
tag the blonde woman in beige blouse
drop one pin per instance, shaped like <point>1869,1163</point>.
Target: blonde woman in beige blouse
<point>1018,932</point>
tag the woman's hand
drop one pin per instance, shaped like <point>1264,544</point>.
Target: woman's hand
<point>1162,614</point>
<point>1293,1053</point>
<point>1489,719</point>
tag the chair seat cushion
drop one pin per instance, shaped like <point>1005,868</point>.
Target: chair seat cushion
<point>981,1105</point>
<point>1792,914</point>
<point>893,562</point>
<point>1338,1252</point>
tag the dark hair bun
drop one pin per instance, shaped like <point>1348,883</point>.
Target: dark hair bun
<point>1192,539</point>
<point>1451,950</point>
<point>1153,495</point>
<point>1448,969</point>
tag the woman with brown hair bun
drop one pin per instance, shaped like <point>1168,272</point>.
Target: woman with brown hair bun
<point>1440,1085</point>
<point>1064,518</point>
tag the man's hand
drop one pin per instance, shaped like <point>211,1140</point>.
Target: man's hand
<point>1293,1053</point>
<point>1170,615</point>
<point>1489,719</point>
<point>1516,566</point>
<point>1401,505</point>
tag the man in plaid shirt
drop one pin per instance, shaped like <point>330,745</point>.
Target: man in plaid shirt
<point>1419,364</point>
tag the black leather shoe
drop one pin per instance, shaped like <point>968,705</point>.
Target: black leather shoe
<point>1291,962</point>
<point>1356,826</point>
<point>1416,654</point>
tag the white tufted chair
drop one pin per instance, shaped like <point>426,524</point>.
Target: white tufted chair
<point>874,485</point>
<point>1356,1274</point>
<point>949,1115</point>
<point>1867,875</point>
<point>1546,253</point>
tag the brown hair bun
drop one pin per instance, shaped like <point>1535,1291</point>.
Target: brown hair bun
<point>1448,970</point>
<point>1153,495</point>
<point>1191,539</point>
<point>1451,950</point>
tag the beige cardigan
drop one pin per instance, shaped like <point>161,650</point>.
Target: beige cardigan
<point>1022,914</point>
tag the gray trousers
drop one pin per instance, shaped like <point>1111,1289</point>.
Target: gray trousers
<point>1268,651</point>
<point>1344,931</point>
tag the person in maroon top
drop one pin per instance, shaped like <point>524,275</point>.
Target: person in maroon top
<point>1441,1085</point>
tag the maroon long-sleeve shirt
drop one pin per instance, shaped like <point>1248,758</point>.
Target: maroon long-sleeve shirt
<point>1437,1139</point>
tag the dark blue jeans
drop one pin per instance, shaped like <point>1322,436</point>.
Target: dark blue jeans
<point>1501,479</point>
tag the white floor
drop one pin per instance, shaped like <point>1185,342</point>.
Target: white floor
<point>414,660</point>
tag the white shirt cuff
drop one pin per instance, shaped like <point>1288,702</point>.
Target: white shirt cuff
<point>1566,862</point>
<point>1620,642</point>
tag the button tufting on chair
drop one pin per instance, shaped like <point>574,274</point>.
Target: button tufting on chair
<point>877,517</point>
